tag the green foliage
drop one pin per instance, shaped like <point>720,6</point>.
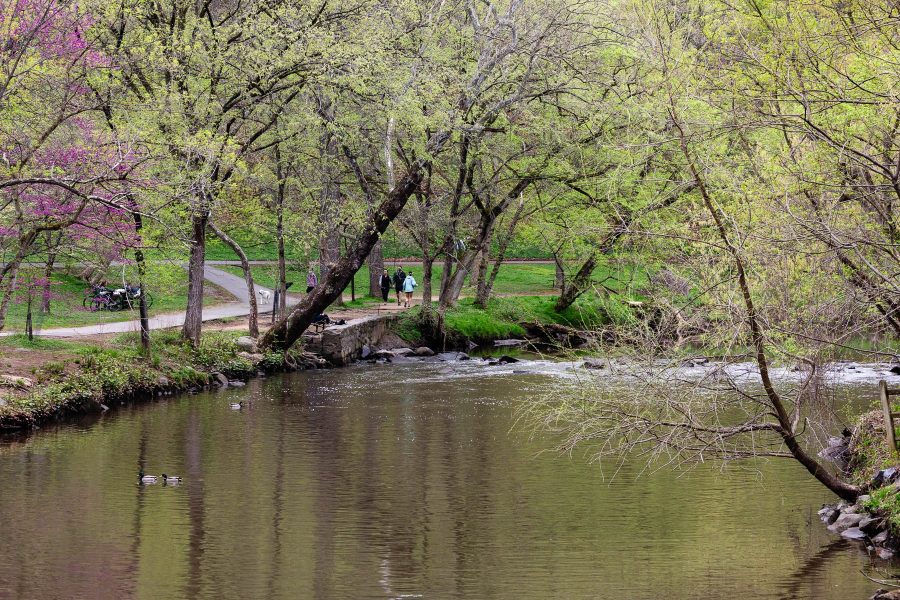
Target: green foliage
<point>886,501</point>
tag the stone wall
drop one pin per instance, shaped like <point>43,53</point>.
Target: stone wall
<point>341,344</point>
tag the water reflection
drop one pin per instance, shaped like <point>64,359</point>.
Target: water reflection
<point>390,482</point>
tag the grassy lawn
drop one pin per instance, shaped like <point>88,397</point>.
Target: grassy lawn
<point>167,284</point>
<point>519,278</point>
<point>260,245</point>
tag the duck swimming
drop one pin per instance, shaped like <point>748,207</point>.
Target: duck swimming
<point>171,479</point>
<point>237,405</point>
<point>147,479</point>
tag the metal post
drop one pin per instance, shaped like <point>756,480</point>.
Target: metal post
<point>274,306</point>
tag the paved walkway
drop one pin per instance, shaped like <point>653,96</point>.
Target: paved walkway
<point>233,284</point>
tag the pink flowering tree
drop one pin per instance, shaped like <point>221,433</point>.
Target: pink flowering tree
<point>61,176</point>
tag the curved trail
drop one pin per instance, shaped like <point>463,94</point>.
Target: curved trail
<point>233,284</point>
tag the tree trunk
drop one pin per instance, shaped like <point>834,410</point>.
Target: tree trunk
<point>8,291</point>
<point>376,265</point>
<point>279,234</point>
<point>330,199</point>
<point>10,272</point>
<point>287,331</point>
<point>482,291</point>
<point>559,281</point>
<point>427,270</point>
<point>482,243</point>
<point>248,277</point>
<point>482,300</point>
<point>193,316</point>
<point>579,283</point>
<point>52,251</point>
<point>142,277</point>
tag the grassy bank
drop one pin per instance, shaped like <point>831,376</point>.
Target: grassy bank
<point>76,377</point>
<point>504,317</point>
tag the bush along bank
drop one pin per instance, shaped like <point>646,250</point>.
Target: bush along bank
<point>874,520</point>
<point>94,378</point>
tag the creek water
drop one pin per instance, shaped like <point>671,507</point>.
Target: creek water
<point>399,481</point>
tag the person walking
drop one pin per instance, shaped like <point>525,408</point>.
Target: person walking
<point>384,282</point>
<point>311,280</point>
<point>409,284</point>
<point>399,278</point>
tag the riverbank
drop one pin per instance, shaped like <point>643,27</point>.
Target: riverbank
<point>71,377</point>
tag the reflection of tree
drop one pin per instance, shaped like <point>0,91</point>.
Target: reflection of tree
<point>135,550</point>
<point>811,569</point>
<point>195,491</point>
<point>324,425</point>
<point>277,503</point>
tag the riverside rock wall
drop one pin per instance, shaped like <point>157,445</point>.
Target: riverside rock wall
<point>341,344</point>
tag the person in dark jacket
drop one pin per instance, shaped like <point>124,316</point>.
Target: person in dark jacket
<point>384,282</point>
<point>399,278</point>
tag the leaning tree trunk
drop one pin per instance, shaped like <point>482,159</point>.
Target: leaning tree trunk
<point>248,277</point>
<point>580,282</point>
<point>193,316</point>
<point>287,331</point>
<point>786,427</point>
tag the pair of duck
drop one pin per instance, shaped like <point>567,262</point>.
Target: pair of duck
<point>150,479</point>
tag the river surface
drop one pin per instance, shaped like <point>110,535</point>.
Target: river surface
<point>399,481</point>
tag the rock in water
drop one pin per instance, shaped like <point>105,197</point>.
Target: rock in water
<point>881,537</point>
<point>895,369</point>
<point>501,343</point>
<point>870,525</point>
<point>594,364</point>
<point>366,351</point>
<point>424,351</point>
<point>854,533</point>
<point>844,522</point>
<point>507,360</point>
<point>885,554</point>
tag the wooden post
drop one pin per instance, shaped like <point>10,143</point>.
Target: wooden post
<point>888,415</point>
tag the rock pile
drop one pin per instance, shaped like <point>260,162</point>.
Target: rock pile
<point>854,522</point>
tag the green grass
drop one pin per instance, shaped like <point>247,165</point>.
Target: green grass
<point>886,501</point>
<point>504,316</point>
<point>167,283</point>
<point>20,340</point>
<point>513,278</point>
<point>260,245</point>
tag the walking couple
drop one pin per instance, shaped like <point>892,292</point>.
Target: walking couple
<point>402,281</point>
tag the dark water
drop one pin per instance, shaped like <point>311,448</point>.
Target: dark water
<point>391,482</point>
